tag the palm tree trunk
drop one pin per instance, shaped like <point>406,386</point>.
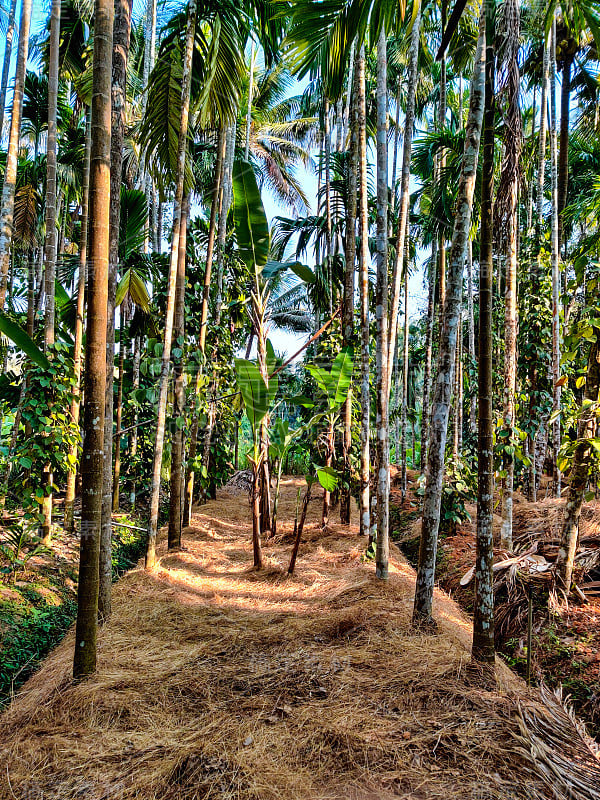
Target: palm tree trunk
<point>92,459</point>
<point>510,377</point>
<point>555,264</point>
<point>10,173</point>
<point>249,108</point>
<point>148,65</point>
<point>216,202</point>
<point>442,395</point>
<point>425,410</point>
<point>10,32</point>
<point>50,245</point>
<point>171,284</point>
<point>409,121</point>
<point>382,386</point>
<point>227,197</point>
<point>404,485</point>
<point>178,441</point>
<point>217,194</point>
<point>364,261</point>
<point>119,412</point>
<point>509,207</point>
<point>563,155</point>
<point>77,347</point>
<point>135,382</point>
<point>50,242</point>
<point>473,402</point>
<point>529,223</point>
<point>328,221</point>
<point>397,137</point>
<point>542,143</point>
<point>121,36</point>
<point>348,308</point>
<point>483,617</point>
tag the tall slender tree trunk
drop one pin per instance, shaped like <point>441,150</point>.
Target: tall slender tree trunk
<point>483,617</point>
<point>250,98</point>
<point>473,400</point>
<point>563,154</point>
<point>510,378</point>
<point>364,261</point>
<point>403,428</point>
<point>381,316</point>
<point>121,36</point>
<point>7,207</point>
<point>539,197</point>
<point>446,362</point>
<point>216,202</point>
<point>10,32</point>
<point>328,220</point>
<point>348,307</point>
<point>119,412</point>
<point>177,440</point>
<point>404,415</point>
<point>50,242</point>
<point>77,347</point>
<point>135,382</point>
<point>555,264</point>
<point>227,197</point>
<point>425,409</point>
<point>397,137</point>
<point>509,184</point>
<point>147,67</point>
<point>92,459</point>
<point>409,121</point>
<point>171,284</point>
<point>529,224</point>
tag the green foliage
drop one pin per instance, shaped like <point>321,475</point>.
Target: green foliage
<point>335,383</point>
<point>22,340</point>
<point>251,225</point>
<point>256,393</point>
<point>459,488</point>
<point>28,635</point>
<point>51,431</point>
<point>18,546</point>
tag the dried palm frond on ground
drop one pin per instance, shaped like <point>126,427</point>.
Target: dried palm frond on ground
<point>569,764</point>
<point>216,681</point>
<point>240,482</point>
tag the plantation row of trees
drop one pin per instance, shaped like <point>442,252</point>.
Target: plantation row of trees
<point>137,264</point>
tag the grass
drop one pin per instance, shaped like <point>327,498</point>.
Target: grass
<point>37,612</point>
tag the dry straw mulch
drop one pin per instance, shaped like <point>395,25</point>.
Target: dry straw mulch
<point>215,681</point>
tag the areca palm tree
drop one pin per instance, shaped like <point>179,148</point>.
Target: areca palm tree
<point>92,472</point>
<point>10,174</point>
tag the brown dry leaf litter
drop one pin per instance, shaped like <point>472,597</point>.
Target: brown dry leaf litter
<point>218,682</point>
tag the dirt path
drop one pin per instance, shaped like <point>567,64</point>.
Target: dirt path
<point>215,681</point>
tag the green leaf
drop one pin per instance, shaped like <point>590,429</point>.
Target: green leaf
<point>328,478</point>
<point>24,342</point>
<point>254,390</point>
<point>341,377</point>
<point>131,283</point>
<point>251,225</point>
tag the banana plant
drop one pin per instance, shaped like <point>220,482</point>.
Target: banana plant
<point>334,385</point>
<point>258,393</point>
<point>281,441</point>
